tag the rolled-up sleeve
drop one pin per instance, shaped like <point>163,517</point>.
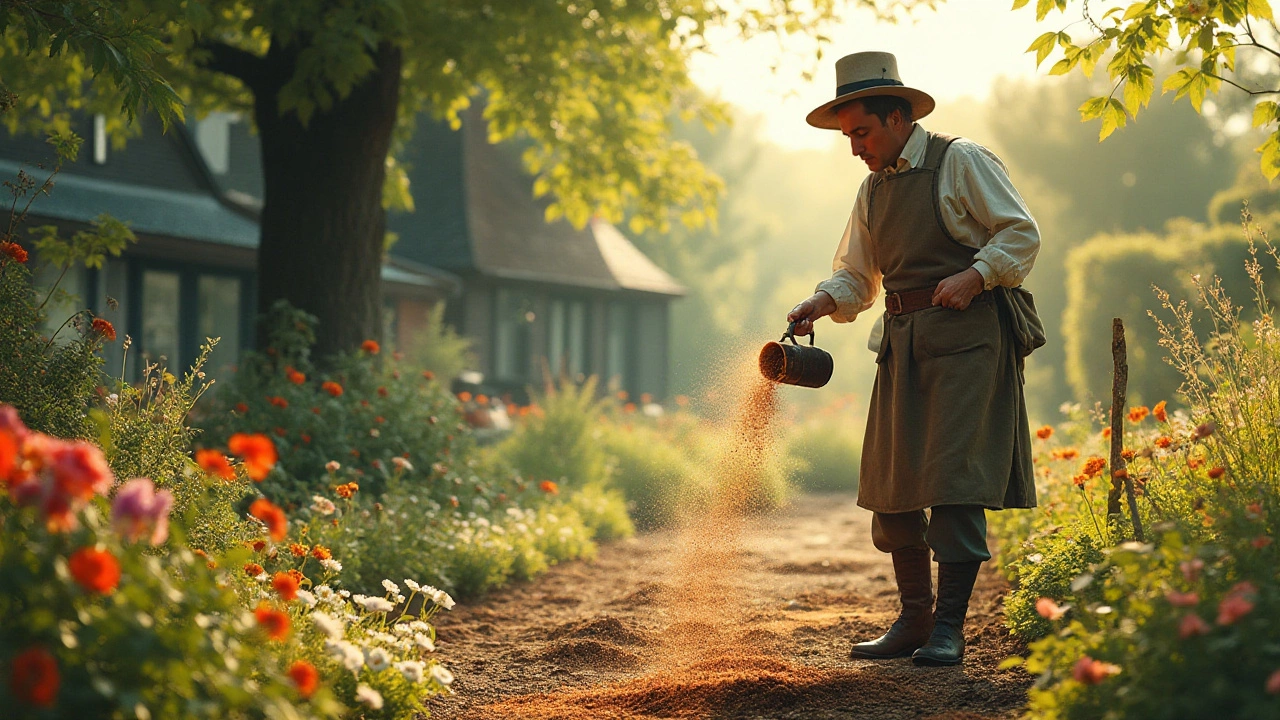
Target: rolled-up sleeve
<point>855,278</point>
<point>983,189</point>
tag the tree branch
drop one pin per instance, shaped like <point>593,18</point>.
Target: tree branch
<point>230,60</point>
<point>1244,89</point>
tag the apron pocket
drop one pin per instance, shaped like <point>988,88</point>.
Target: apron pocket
<point>943,331</point>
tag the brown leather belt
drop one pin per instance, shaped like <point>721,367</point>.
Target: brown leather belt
<point>914,300</point>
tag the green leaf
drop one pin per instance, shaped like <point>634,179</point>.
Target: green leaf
<point>1260,9</point>
<point>1042,9</point>
<point>1138,88</point>
<point>1043,46</point>
<point>1019,3</point>
<point>1113,118</point>
<point>1092,108</point>
<point>1270,163</point>
<point>1264,112</point>
<point>1136,10</point>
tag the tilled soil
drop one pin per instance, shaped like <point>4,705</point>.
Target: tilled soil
<point>614,639</point>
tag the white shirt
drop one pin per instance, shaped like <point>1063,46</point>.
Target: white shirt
<point>980,208</point>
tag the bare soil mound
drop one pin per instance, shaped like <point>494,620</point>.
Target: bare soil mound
<point>593,653</point>
<point>608,628</point>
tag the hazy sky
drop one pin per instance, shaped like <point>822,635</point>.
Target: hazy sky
<point>953,52</point>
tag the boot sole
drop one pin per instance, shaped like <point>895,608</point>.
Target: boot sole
<point>925,661</point>
<point>866,656</point>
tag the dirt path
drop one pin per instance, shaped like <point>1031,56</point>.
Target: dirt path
<point>608,639</point>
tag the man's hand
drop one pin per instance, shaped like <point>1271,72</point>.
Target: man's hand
<point>819,304</point>
<point>957,291</point>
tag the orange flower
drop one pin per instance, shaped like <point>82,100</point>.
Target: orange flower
<point>216,464</point>
<point>253,570</point>
<point>272,516</point>
<point>371,347</point>
<point>1217,472</point>
<point>1260,542</point>
<point>258,451</point>
<point>1080,480</point>
<point>1044,433</point>
<point>1094,466</point>
<point>298,550</point>
<point>278,401</point>
<point>428,375</point>
<point>1164,441</point>
<point>549,487</point>
<point>1048,609</point>
<point>286,585</point>
<point>14,251</point>
<point>331,387</point>
<point>296,574</point>
<point>1091,672</point>
<point>482,400</point>
<point>1159,411</point>
<point>1106,432</point>
<point>242,408</point>
<point>682,400</point>
<point>1237,603</point>
<point>34,678</point>
<point>1273,683</point>
<point>304,675</point>
<point>464,396</point>
<point>347,490</point>
<point>8,456</point>
<point>294,376</point>
<point>1127,454</point>
<point>382,391</point>
<point>622,395</point>
<point>95,570</point>
<point>257,545</point>
<point>103,328</point>
<point>646,398</point>
<point>274,622</point>
<point>280,431</point>
<point>629,407</point>
<point>321,552</point>
<point>1195,462</point>
<point>1138,414</point>
<point>1068,453</point>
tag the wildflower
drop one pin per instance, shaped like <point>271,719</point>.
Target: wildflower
<point>1049,609</point>
<point>305,677</point>
<point>382,391</point>
<point>1164,441</point>
<point>34,678</point>
<point>1191,569</point>
<point>315,410</point>
<point>464,396</point>
<point>332,466</point>
<point>331,387</point>
<point>286,585</point>
<point>298,550</point>
<point>1191,625</point>
<point>549,487</point>
<point>1204,430</point>
<point>258,545</point>
<point>1080,480</point>
<point>1068,454</point>
<point>14,251</point>
<point>390,587</point>
<point>412,585</point>
<point>103,329</point>
<point>377,659</point>
<point>1127,454</point>
<point>402,464</point>
<point>1237,603</point>
<point>277,401</point>
<point>1260,542</point>
<point>331,565</point>
<point>95,570</point>
<point>1194,462</point>
<point>1217,472</point>
<point>366,695</point>
<point>1253,511</point>
<point>347,490</point>
<point>371,347</point>
<point>682,400</point>
<point>216,464</point>
<point>1044,433</point>
<point>139,509</point>
<point>1159,411</point>
<point>428,375</point>
<point>377,604</point>
<point>322,505</point>
<point>1094,466</point>
<point>412,670</point>
<point>321,552</point>
<point>272,516</point>
<point>442,598</point>
<point>1106,432</point>
<point>294,376</point>
<point>1178,599</point>
<point>1091,672</point>
<point>328,625</point>
<point>258,451</point>
<point>242,408</point>
<point>441,675</point>
<point>424,642</point>
<point>274,622</point>
<point>1138,414</point>
<point>1273,683</point>
<point>253,570</point>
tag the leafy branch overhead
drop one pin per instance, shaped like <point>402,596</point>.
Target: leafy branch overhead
<point>1203,37</point>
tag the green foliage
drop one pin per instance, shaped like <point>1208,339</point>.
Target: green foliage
<point>566,420</point>
<point>363,412</point>
<point>603,511</point>
<point>437,347</point>
<point>1059,557</point>
<point>823,456</point>
<point>656,477</point>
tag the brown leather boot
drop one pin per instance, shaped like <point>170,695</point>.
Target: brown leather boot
<point>946,644</point>
<point>914,573</point>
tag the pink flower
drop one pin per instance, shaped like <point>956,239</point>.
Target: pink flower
<point>1178,599</point>
<point>139,509</point>
<point>1191,569</point>
<point>1049,609</point>
<point>79,470</point>
<point>1273,683</point>
<point>1237,603</point>
<point>1192,625</point>
<point>1091,672</point>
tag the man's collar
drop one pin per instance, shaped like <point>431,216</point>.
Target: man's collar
<point>912,153</point>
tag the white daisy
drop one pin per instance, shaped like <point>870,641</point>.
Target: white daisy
<point>377,659</point>
<point>441,675</point>
<point>412,670</point>
<point>368,696</point>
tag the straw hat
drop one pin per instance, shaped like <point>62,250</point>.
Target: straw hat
<point>865,74</point>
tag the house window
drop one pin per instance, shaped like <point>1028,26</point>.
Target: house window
<point>161,300</point>
<point>218,300</point>
<point>567,338</point>
<point>556,335</point>
<point>615,351</point>
<point>576,338</point>
<point>514,317</point>
<point>651,349</point>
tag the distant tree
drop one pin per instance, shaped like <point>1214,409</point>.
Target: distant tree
<point>334,88</point>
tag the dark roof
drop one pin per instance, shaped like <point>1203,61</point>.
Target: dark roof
<point>476,214</point>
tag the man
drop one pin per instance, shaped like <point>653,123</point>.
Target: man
<point>940,226</point>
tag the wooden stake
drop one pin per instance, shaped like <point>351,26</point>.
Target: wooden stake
<point>1119,468</point>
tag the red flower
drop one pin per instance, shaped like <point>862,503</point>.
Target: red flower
<point>1159,411</point>
<point>1260,542</point>
<point>428,375</point>
<point>34,678</point>
<point>258,451</point>
<point>371,347</point>
<point>294,376</point>
<point>382,391</point>
<point>1138,414</point>
<point>253,570</point>
<point>629,407</point>
<point>272,516</point>
<point>242,408</point>
<point>278,401</point>
<point>1164,441</point>
<point>1192,625</point>
<point>1217,472</point>
<point>1178,599</point>
<point>1091,672</point>
<point>1094,466</point>
<point>1273,683</point>
<point>1237,603</point>
<point>104,328</point>
<point>286,585</point>
<point>305,438</point>
<point>14,251</point>
<point>8,456</point>
<point>331,387</point>
<point>549,487</point>
<point>215,463</point>
<point>274,622</point>
<point>280,431</point>
<point>95,570</point>
<point>304,675</point>
<point>1044,433</point>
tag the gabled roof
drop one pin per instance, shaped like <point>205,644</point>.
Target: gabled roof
<point>476,214</point>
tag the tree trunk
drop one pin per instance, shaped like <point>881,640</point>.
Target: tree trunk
<point>322,221</point>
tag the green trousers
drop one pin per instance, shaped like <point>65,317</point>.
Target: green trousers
<point>955,533</point>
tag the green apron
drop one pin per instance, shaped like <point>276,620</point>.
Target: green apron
<point>948,421</point>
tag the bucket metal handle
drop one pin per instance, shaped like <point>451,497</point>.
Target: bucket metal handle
<point>791,333</point>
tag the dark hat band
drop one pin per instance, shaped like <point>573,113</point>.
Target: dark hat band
<point>864,84</point>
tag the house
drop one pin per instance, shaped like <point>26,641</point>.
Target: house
<point>529,295</point>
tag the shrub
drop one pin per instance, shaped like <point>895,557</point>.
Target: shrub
<point>439,349</point>
<point>653,475</point>
<point>823,457</point>
<point>566,419</point>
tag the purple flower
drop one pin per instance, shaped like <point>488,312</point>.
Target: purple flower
<point>139,509</point>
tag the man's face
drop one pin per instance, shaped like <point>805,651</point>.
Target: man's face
<point>877,144</point>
